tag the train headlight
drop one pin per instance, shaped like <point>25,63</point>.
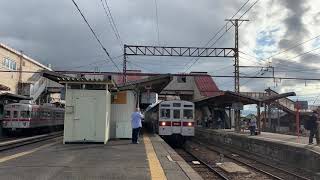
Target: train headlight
<point>163,123</point>
<point>189,124</point>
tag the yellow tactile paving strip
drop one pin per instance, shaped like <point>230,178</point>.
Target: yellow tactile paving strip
<point>154,163</point>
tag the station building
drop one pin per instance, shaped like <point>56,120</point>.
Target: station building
<point>13,60</point>
<point>21,78</point>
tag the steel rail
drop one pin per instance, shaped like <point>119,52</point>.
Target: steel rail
<point>253,167</point>
<point>212,169</point>
<point>11,144</point>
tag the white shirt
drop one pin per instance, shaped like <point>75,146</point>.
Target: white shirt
<point>253,122</point>
<point>136,119</point>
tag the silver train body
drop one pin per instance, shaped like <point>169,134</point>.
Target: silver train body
<point>171,118</point>
<point>23,116</point>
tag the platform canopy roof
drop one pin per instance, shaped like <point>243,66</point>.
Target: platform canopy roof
<point>153,84</point>
<point>226,99</point>
<point>63,79</point>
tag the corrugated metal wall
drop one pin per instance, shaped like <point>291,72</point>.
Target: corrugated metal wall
<point>87,116</point>
<point>122,105</point>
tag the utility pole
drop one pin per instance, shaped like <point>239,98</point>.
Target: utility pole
<point>20,74</point>
<point>235,22</point>
<point>124,78</point>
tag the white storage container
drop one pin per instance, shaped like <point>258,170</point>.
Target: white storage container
<point>122,106</point>
<point>87,116</point>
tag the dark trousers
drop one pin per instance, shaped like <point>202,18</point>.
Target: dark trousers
<point>314,132</point>
<point>135,134</point>
<point>252,130</point>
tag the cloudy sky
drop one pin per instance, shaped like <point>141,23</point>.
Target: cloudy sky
<point>53,32</point>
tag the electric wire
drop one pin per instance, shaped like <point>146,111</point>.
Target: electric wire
<point>216,34</point>
<point>111,22</point>
<point>197,59</point>
<point>93,63</point>
<point>95,35</point>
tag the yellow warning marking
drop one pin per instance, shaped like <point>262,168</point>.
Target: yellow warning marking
<point>154,164</point>
<point>7,158</point>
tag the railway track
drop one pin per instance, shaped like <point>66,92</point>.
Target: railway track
<point>4,139</point>
<point>264,168</point>
<point>11,144</point>
<point>205,170</point>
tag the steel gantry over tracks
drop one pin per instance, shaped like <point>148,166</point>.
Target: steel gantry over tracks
<point>136,50</point>
<point>178,51</point>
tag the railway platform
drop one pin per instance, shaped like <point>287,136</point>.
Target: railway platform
<point>290,140</point>
<point>286,150</point>
<point>152,158</point>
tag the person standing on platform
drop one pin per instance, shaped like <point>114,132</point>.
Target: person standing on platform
<point>136,118</point>
<point>313,126</point>
<point>253,125</point>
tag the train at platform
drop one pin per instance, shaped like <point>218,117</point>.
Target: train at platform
<point>27,117</point>
<point>172,120</point>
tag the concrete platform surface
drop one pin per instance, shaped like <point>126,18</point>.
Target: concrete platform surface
<point>118,159</point>
<point>285,150</point>
<point>280,138</point>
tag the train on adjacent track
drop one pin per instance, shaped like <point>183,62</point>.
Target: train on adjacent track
<point>173,120</point>
<point>27,117</point>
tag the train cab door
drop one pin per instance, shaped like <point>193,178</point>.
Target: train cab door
<point>176,121</point>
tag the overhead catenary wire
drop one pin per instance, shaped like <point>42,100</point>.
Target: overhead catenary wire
<point>304,53</point>
<point>248,11</point>
<point>215,76</point>
<point>286,50</point>
<point>293,47</point>
<point>112,19</point>
<point>95,35</point>
<point>225,26</point>
<point>216,34</point>
<point>288,66</point>
<point>92,63</point>
<point>113,25</point>
<point>227,29</point>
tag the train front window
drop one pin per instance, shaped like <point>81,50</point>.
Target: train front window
<point>176,114</point>
<point>15,114</point>
<point>188,114</point>
<point>165,105</point>
<point>176,104</point>
<point>25,114</point>
<point>165,113</point>
<point>8,114</point>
